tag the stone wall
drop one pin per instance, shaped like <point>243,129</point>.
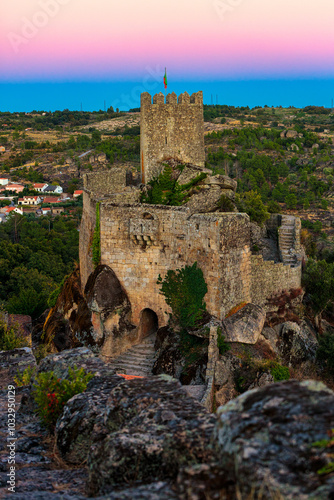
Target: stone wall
<point>269,278</point>
<point>106,182</point>
<point>139,242</point>
<point>171,129</point>
<point>87,227</point>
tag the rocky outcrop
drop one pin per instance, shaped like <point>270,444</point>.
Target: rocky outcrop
<point>68,318</point>
<point>187,365</point>
<point>110,312</point>
<point>154,421</point>
<point>269,437</point>
<point>14,362</point>
<point>99,318</point>
<point>297,343</point>
<point>245,325</point>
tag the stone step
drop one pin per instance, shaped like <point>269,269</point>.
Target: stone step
<point>138,360</point>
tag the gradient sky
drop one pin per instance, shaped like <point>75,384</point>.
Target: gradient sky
<point>133,40</point>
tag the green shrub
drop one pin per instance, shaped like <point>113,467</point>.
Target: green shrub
<point>96,245</point>
<point>25,377</point>
<point>252,204</point>
<point>223,346</point>
<point>184,291</point>
<point>51,393</point>
<point>12,337</point>
<point>165,190</point>
<point>225,204</point>
<point>325,352</point>
<point>279,372</point>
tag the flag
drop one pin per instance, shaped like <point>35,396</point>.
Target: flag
<point>165,79</point>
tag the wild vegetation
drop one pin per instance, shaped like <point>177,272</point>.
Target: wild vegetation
<point>35,255</point>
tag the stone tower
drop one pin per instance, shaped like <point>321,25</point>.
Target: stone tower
<point>170,130</point>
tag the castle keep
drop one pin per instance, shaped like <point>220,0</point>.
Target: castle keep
<point>171,129</point>
<point>140,241</point>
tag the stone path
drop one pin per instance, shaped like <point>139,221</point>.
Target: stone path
<point>138,360</point>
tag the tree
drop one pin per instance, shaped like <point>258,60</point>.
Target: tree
<point>318,279</point>
<point>252,204</point>
<point>184,291</point>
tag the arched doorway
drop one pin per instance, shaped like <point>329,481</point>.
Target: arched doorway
<point>148,323</point>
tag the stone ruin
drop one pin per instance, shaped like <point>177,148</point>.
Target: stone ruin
<point>140,241</point>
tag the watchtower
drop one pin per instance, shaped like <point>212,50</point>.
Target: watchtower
<point>171,129</point>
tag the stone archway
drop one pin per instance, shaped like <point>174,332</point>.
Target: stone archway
<point>148,323</point>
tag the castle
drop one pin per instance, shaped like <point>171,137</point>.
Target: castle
<point>140,241</point>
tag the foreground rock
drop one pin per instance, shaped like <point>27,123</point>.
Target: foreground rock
<point>15,362</point>
<point>268,436</point>
<point>134,430</point>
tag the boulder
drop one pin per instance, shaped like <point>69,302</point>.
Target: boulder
<point>12,362</point>
<point>268,437</point>
<point>110,311</point>
<point>81,357</point>
<point>245,325</point>
<point>83,419</point>
<point>190,172</point>
<point>206,200</point>
<point>291,134</point>
<point>297,343</point>
<point>223,181</point>
<point>153,428</point>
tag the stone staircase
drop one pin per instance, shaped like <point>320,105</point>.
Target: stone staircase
<point>138,360</point>
<point>286,235</point>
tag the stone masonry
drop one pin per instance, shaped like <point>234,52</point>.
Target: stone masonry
<point>171,130</point>
<point>139,242</point>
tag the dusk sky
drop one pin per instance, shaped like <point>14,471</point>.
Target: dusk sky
<point>206,44</point>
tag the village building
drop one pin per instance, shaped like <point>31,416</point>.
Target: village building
<point>30,200</point>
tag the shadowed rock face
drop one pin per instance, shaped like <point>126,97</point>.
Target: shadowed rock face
<point>103,291</point>
<point>134,431</point>
<point>268,435</point>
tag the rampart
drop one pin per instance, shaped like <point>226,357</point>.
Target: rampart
<point>171,129</point>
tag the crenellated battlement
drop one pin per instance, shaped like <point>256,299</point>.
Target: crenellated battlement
<point>170,127</point>
<point>172,99</point>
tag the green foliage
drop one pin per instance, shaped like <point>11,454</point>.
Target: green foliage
<point>12,337</point>
<point>225,204</point>
<point>35,255</point>
<point>325,352</point>
<point>25,377</point>
<point>165,190</point>
<point>279,372</point>
<point>51,393</point>
<point>223,346</point>
<point>184,291</point>
<point>318,279</point>
<point>273,207</point>
<point>96,245</point>
<point>252,204</point>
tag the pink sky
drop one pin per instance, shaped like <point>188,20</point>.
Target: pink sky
<point>105,39</point>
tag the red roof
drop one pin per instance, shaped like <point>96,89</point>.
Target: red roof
<point>51,199</point>
<point>9,209</point>
<point>39,185</point>
<point>78,192</point>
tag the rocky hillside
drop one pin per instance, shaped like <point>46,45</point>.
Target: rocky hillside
<point>145,438</point>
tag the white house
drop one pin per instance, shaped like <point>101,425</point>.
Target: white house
<point>29,200</point>
<point>40,187</point>
<point>53,189</point>
<point>3,181</point>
